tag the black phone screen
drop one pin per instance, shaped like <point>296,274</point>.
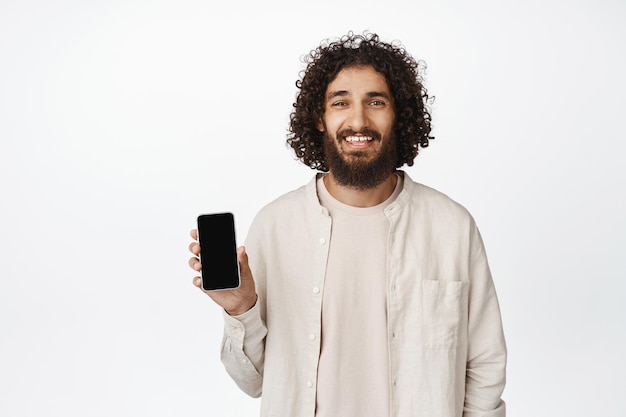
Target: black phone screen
<point>218,251</point>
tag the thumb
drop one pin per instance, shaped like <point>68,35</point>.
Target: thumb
<point>244,268</point>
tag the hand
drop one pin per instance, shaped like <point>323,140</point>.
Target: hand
<point>236,301</point>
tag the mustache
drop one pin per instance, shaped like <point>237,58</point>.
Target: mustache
<point>342,134</point>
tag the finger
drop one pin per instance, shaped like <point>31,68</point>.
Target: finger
<point>194,234</point>
<point>244,268</point>
<point>194,263</point>
<point>194,248</point>
<point>197,281</point>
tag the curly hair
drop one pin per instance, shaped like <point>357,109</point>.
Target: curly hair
<point>412,125</point>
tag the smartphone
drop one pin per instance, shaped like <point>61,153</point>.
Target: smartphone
<point>218,251</point>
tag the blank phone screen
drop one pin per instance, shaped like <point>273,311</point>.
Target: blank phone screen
<point>218,251</point>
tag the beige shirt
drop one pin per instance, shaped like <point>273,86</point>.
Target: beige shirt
<point>354,312</point>
<point>447,355</point>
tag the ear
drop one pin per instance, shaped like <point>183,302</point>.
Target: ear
<point>320,124</point>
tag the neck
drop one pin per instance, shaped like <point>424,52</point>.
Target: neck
<point>361,198</point>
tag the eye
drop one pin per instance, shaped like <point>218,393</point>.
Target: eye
<point>339,104</point>
<point>377,103</point>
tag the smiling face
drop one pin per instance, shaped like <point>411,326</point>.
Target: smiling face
<point>357,123</point>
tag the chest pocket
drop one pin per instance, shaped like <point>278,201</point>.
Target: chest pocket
<point>444,313</point>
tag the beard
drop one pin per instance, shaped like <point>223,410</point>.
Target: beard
<point>358,169</point>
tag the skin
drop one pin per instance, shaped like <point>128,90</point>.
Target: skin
<point>357,99</point>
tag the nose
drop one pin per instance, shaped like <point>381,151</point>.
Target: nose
<point>357,119</point>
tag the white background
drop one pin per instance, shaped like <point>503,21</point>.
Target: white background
<point>120,121</point>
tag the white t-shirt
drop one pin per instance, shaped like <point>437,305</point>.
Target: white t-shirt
<point>353,372</point>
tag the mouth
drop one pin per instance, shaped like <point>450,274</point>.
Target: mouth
<point>356,139</point>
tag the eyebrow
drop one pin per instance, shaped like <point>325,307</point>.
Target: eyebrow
<point>371,94</point>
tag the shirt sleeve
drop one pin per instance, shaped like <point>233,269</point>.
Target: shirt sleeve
<point>486,356</point>
<point>243,350</point>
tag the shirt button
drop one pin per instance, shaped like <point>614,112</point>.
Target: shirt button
<point>322,241</point>
<point>244,361</point>
<point>316,290</point>
<point>309,384</point>
<point>311,336</point>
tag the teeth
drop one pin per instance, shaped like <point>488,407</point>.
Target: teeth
<point>358,138</point>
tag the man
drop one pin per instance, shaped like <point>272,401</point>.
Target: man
<point>363,293</point>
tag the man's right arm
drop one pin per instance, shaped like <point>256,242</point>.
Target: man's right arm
<point>243,350</point>
<point>243,343</point>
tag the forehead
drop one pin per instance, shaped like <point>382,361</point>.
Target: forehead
<point>358,80</point>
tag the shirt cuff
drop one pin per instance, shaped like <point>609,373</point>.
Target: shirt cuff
<point>250,321</point>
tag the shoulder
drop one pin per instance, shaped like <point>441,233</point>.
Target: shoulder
<point>424,198</point>
<point>292,205</point>
<point>301,196</point>
<point>435,214</point>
